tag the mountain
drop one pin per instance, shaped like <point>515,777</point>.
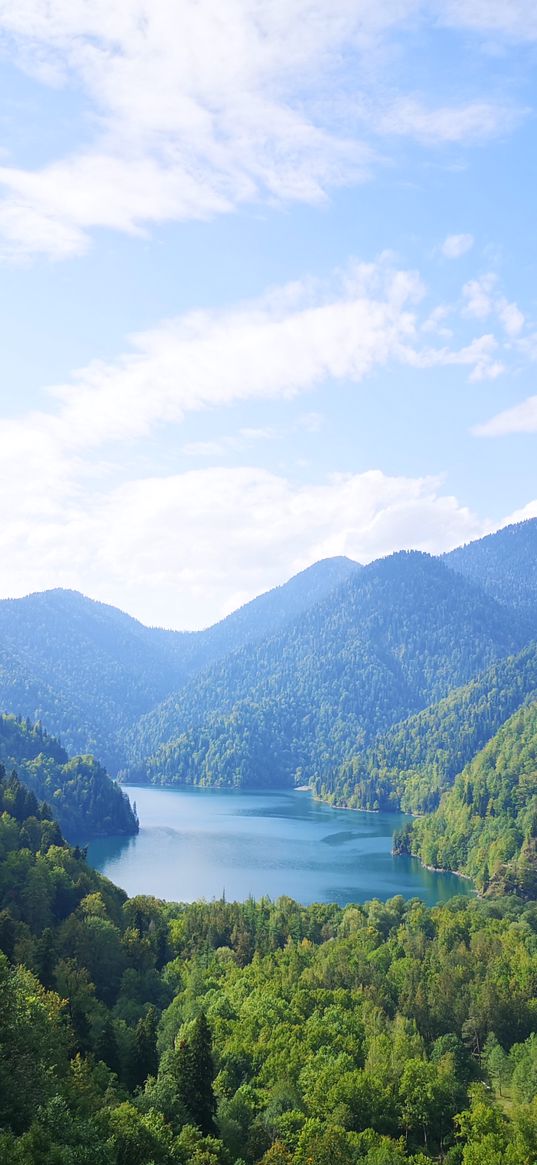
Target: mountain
<point>486,825</point>
<point>396,636</point>
<point>83,798</point>
<point>504,564</point>
<point>93,669</point>
<point>89,671</point>
<point>267,614</point>
<point>410,765</point>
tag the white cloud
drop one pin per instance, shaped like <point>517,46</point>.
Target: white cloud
<point>177,546</point>
<point>185,549</point>
<point>522,515</point>
<point>196,109</point>
<point>511,317</point>
<point>478,295</point>
<point>285,344</point>
<point>456,245</point>
<point>473,122</point>
<point>482,300</point>
<point>520,419</point>
<point>479,356</point>
<point>512,19</point>
<point>276,347</point>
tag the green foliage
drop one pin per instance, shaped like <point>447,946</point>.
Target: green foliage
<point>137,1032</point>
<point>397,635</point>
<point>192,1070</point>
<point>413,763</point>
<point>503,564</point>
<point>486,826</point>
<point>89,671</point>
<point>84,799</point>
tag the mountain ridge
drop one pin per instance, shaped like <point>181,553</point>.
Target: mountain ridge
<point>371,646</point>
<point>333,657</point>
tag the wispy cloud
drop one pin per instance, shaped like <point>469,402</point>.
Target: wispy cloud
<point>472,122</point>
<point>79,520</point>
<point>480,356</point>
<point>456,245</point>
<point>236,532</point>
<point>522,418</point>
<point>198,109</point>
<point>514,19</point>
<point>295,338</point>
<point>276,347</point>
<point>482,299</point>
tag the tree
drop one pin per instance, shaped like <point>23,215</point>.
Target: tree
<point>145,1056</point>
<point>194,1073</point>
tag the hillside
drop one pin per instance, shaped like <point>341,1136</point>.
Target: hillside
<point>134,1031</point>
<point>269,612</point>
<point>93,668</point>
<point>83,798</point>
<point>89,671</point>
<point>486,825</point>
<point>410,765</point>
<point>284,689</point>
<point>504,564</point>
<point>397,635</point>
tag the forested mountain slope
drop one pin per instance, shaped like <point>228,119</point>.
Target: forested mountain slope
<point>486,825</point>
<point>411,764</point>
<point>268,613</point>
<point>397,635</point>
<point>504,564</point>
<point>136,1032</point>
<point>103,668</point>
<point>89,671</point>
<point>83,798</point>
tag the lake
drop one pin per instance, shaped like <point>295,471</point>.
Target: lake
<point>202,843</point>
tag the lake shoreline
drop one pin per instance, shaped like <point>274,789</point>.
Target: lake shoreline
<point>195,840</point>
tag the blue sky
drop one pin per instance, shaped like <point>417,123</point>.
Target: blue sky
<point>268,287</point>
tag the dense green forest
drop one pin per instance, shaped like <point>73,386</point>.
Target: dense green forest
<point>503,564</point>
<point>396,636</point>
<point>296,683</point>
<point>486,825</point>
<point>85,670</point>
<point>134,1032</point>
<point>375,685</point>
<point>411,765</point>
<point>88,671</point>
<point>83,798</point>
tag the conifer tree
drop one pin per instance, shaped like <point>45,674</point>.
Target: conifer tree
<point>194,1075</point>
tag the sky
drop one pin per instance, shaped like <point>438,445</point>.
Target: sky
<point>267,275</point>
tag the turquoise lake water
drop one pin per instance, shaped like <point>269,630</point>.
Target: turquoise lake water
<point>202,843</point>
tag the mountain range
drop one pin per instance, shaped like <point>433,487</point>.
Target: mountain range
<point>376,685</point>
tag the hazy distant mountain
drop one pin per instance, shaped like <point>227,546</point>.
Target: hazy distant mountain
<point>92,668</point>
<point>266,614</point>
<point>504,564</point>
<point>89,671</point>
<point>397,635</point>
<point>294,682</point>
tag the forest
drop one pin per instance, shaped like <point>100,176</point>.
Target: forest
<point>486,825</point>
<point>400,634</point>
<point>376,686</point>
<point>84,800</point>
<point>415,761</point>
<point>309,675</point>
<point>136,1032</point>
